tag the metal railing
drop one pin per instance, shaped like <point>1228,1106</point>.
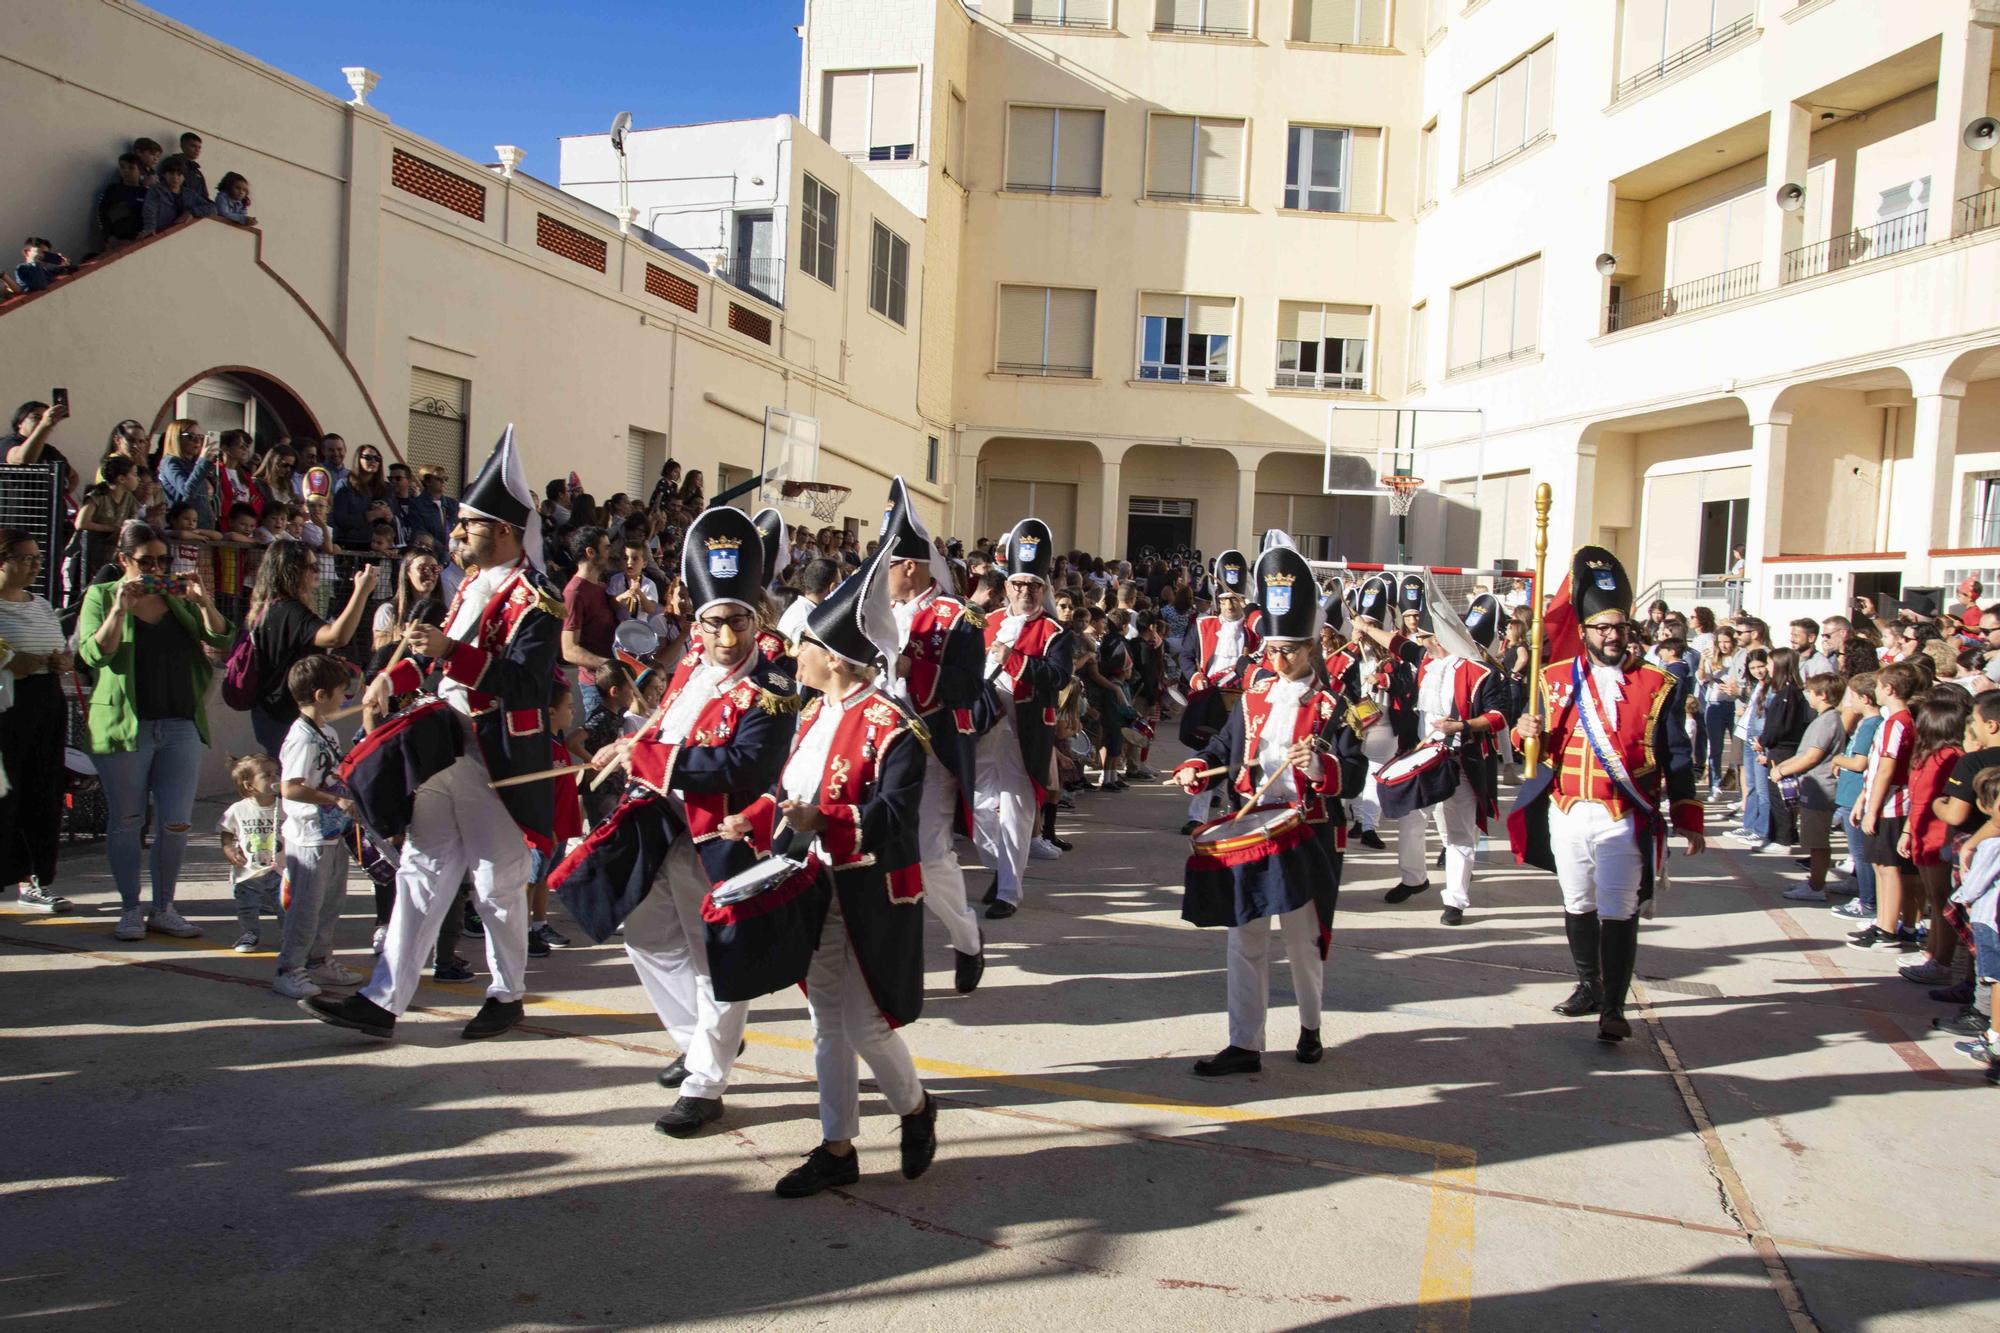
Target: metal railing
<point>1050,187</point>
<point>1856,247</point>
<point>888,152</point>
<point>1201,29</point>
<point>1039,368</point>
<point>1977,212</point>
<point>1686,55</point>
<point>1497,359</point>
<point>1681,298</point>
<point>762,276</point>
<point>1318,379</point>
<point>1503,158</point>
<point>1025,17</point>
<point>1684,593</point>
<point>1178,197</point>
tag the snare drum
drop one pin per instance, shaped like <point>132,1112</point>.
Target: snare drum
<point>637,638</point>
<point>1788,791</point>
<point>607,875</point>
<point>388,765</point>
<point>1265,862</point>
<point>1418,778</point>
<point>762,926</point>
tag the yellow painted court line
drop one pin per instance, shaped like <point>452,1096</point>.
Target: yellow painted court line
<point>1444,1295</point>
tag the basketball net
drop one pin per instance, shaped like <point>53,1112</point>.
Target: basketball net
<point>1402,493</point>
<point>823,498</point>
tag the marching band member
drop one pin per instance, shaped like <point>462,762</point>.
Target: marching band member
<point>1615,748</point>
<point>941,675</point>
<point>717,739</point>
<point>851,793</point>
<point>1381,667</point>
<point>1277,731</point>
<point>1029,658</point>
<point>1219,655</point>
<point>497,655</point>
<point>1458,694</point>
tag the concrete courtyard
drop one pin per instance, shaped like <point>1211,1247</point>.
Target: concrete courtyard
<point>1784,1145</point>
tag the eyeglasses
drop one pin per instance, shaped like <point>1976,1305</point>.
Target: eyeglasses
<point>23,558</point>
<point>716,625</point>
<point>1289,649</point>
<point>148,562</point>
<point>1618,628</point>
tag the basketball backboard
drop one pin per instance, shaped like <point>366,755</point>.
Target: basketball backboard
<point>1365,443</point>
<point>791,453</point>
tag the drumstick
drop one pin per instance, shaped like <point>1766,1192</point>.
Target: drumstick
<point>389,666</point>
<point>1205,773</point>
<point>521,779</point>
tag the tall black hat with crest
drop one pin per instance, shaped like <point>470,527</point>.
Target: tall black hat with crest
<point>500,492</point>
<point>1376,600</point>
<point>1482,619</point>
<point>1412,596</point>
<point>1031,551</point>
<point>1287,595</point>
<point>722,559</point>
<point>904,536</point>
<point>1333,606</point>
<point>1232,574</point>
<point>1598,586</point>
<point>856,621</point>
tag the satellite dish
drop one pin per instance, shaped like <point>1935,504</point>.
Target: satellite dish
<point>1982,134</point>
<point>1791,197</point>
<point>1607,263</point>
<point>619,124</point>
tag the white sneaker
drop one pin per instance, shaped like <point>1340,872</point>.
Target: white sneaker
<point>131,926</point>
<point>1041,849</point>
<point>293,985</point>
<point>169,922</point>
<point>331,973</point>
<point>246,942</point>
<point>381,938</point>
<point>1805,893</point>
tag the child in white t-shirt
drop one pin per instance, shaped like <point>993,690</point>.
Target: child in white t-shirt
<point>319,819</point>
<point>249,833</point>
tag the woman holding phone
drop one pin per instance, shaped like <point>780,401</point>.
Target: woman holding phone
<point>188,469</point>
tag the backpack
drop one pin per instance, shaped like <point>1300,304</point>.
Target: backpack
<point>243,673</point>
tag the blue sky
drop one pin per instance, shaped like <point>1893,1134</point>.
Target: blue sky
<point>475,73</point>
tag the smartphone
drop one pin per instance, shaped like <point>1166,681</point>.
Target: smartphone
<point>167,585</point>
<point>59,398</point>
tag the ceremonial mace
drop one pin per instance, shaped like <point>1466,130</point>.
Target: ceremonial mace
<point>1544,497</point>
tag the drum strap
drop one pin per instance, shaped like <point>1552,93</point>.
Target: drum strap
<point>1590,712</point>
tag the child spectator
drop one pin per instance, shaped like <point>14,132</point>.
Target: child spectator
<point>318,816</point>
<point>1862,720</point>
<point>249,833</point>
<point>382,537</point>
<point>1940,721</point>
<point>41,264</point>
<point>1812,765</point>
<point>604,727</point>
<point>122,205</point>
<point>109,507</point>
<point>163,206</point>
<point>1756,829</point>
<point>1885,805</point>
<point>317,531</point>
<point>149,153</point>
<point>185,538</point>
<point>1979,897</point>
<point>564,740</point>
<point>232,200</point>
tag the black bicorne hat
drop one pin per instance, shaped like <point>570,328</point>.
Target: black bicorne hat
<point>1232,574</point>
<point>1376,599</point>
<point>777,535</point>
<point>722,559</point>
<point>1482,619</point>
<point>500,491</point>
<point>1598,585</point>
<point>856,621</point>
<point>1287,595</point>
<point>1031,551</point>
<point>1411,597</point>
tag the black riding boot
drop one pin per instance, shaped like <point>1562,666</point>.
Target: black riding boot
<point>1581,928</point>
<point>1618,947</point>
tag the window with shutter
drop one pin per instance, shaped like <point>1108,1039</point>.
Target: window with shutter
<point>889,274</point>
<point>1057,150</point>
<point>1658,37</point>
<point>1064,13</point>
<point>1427,166</point>
<point>892,130</point>
<point>844,121</point>
<point>1046,331</point>
<point>1218,161</point>
<point>1496,318</point>
<point>1343,22</point>
<point>1509,112</point>
<point>436,436</point>
<point>819,230</point>
<point>1031,146</point>
<point>1079,156</point>
<point>1322,346</point>
<point>1206,18</point>
<point>1194,159</point>
<point>1185,339</point>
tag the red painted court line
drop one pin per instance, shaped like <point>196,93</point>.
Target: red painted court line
<point>1882,1025</point>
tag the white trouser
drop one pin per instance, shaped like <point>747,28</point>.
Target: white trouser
<point>1599,862</point>
<point>1003,805</point>
<point>664,941</point>
<point>1457,819</point>
<point>1411,866</point>
<point>1250,973</point>
<point>944,881</point>
<point>457,824</point>
<point>848,1028</point>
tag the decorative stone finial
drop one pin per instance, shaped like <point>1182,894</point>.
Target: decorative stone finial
<point>362,80</point>
<point>510,157</point>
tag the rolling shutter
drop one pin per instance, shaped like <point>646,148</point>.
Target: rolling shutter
<point>1030,132</point>
<point>1170,156</point>
<point>1219,160</point>
<point>1211,315</point>
<point>1080,151</point>
<point>1022,314</point>
<point>1072,329</point>
<point>846,115</point>
<point>438,405</point>
<point>895,109</point>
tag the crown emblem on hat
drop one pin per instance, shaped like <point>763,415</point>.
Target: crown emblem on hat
<point>1280,580</point>
<point>724,543</point>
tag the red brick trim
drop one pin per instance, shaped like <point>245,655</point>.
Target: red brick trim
<point>749,323</point>
<point>427,180</point>
<point>672,287</point>
<point>558,237</point>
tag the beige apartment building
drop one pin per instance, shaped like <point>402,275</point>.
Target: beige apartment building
<point>397,293</point>
<point>1184,232</point>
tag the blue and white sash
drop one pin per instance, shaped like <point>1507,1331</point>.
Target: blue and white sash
<point>1597,731</point>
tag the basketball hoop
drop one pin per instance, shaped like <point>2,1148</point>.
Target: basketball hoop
<point>1402,493</point>
<point>823,498</point>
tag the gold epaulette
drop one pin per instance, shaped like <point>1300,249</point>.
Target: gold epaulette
<point>917,728</point>
<point>972,617</point>
<point>547,604</point>
<point>774,703</point>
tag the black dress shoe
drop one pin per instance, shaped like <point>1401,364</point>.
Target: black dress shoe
<point>821,1170</point>
<point>355,1012</point>
<point>1370,838</point>
<point>453,969</point>
<point>1404,892</point>
<point>1190,827</point>
<point>675,1074</point>
<point>1062,844</point>
<point>1452,916</point>
<point>920,1138</point>
<point>967,970</point>
<point>992,891</point>
<point>687,1115</point>
<point>1585,999</point>
<point>537,946</point>
<point>494,1017</point>
<point>1611,1025</point>
<point>1230,1060</point>
<point>1000,910</point>
<point>1309,1048</point>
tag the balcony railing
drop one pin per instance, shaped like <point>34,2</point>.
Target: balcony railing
<point>1681,298</point>
<point>1315,379</point>
<point>1026,16</point>
<point>1049,187</point>
<point>1686,55</point>
<point>761,276</point>
<point>1977,212</point>
<point>886,152</point>
<point>1201,29</point>
<point>1180,197</point>
<point>1856,247</point>
<point>1049,371</point>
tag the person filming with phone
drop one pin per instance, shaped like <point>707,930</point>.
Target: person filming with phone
<point>188,467</point>
<point>143,635</point>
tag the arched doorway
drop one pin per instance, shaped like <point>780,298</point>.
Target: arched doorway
<point>240,398</point>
